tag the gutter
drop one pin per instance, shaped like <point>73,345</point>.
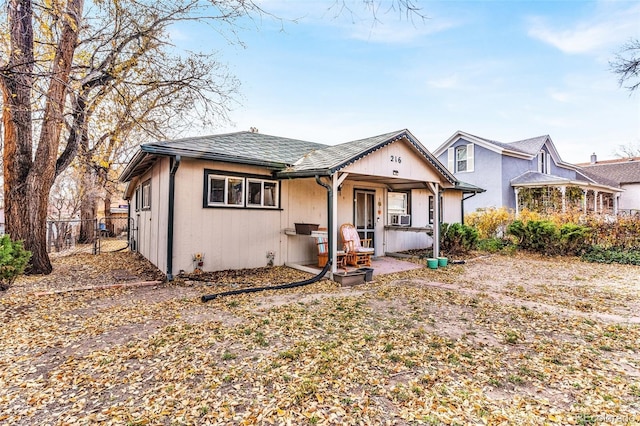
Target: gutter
<point>175,163</point>
<point>473,194</point>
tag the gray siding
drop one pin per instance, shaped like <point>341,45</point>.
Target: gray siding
<point>514,167</point>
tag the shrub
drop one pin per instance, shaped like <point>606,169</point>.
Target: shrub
<point>600,254</point>
<point>491,222</point>
<point>624,232</point>
<point>541,236</point>
<point>494,245</point>
<point>13,259</point>
<point>574,239</point>
<point>457,238</point>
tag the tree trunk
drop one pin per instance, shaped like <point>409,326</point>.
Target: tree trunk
<point>27,181</point>
<point>107,214</point>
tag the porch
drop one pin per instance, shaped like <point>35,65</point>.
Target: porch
<point>380,265</point>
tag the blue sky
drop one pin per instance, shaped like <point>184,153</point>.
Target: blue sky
<point>503,70</point>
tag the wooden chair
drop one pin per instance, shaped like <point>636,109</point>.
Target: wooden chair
<point>323,253</point>
<point>358,251</point>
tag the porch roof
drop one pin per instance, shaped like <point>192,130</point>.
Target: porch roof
<point>537,179</point>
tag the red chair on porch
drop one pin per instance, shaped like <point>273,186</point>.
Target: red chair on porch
<point>359,251</point>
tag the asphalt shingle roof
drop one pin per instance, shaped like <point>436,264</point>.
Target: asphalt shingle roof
<point>241,145</point>
<point>621,172</point>
<point>336,155</point>
<point>536,177</point>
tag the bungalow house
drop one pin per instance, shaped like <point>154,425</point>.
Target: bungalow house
<point>624,172</point>
<point>527,173</point>
<point>236,198</point>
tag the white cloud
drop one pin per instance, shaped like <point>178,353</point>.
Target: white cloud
<point>448,82</point>
<point>396,31</point>
<point>559,96</point>
<point>609,26</point>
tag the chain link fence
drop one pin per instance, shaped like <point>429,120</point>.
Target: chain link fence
<point>93,236</point>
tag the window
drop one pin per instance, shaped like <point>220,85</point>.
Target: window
<point>397,204</point>
<point>146,195</point>
<point>137,199</point>
<point>262,193</point>
<point>233,190</point>
<point>460,158</point>
<point>544,163</point>
<point>225,191</point>
<point>432,209</point>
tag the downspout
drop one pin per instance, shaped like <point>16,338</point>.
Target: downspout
<point>462,206</point>
<point>329,216</point>
<point>175,163</point>
<point>312,280</point>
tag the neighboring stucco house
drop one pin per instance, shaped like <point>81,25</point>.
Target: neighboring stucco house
<point>237,197</point>
<point>529,171</point>
<point>624,172</point>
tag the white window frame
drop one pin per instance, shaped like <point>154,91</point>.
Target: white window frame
<point>453,160</point>
<point>137,199</point>
<point>226,179</point>
<point>544,162</point>
<point>261,203</point>
<point>431,207</point>
<point>145,196</point>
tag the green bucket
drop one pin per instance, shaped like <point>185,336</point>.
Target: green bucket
<point>432,263</point>
<point>442,261</point>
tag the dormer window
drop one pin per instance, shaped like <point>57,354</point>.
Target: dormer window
<point>544,165</point>
<point>461,158</point>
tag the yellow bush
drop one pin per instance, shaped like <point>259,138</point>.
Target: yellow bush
<point>490,222</point>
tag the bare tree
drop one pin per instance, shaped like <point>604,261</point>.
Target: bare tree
<point>627,65</point>
<point>60,65</point>
<point>629,150</point>
<point>60,71</point>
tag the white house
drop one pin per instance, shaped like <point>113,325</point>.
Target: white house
<point>623,172</point>
<point>237,197</point>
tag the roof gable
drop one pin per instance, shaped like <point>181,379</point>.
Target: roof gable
<point>337,157</point>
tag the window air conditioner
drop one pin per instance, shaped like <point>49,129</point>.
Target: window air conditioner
<point>401,219</point>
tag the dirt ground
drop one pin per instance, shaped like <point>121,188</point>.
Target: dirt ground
<point>497,340</point>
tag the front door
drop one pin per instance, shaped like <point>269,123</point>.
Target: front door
<point>365,214</point>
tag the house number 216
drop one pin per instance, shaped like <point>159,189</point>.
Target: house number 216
<point>396,159</point>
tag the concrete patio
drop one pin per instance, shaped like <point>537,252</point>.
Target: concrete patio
<point>380,266</point>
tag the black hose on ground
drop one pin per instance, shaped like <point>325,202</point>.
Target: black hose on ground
<point>312,280</point>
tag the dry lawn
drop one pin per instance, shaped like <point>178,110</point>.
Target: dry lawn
<point>499,340</point>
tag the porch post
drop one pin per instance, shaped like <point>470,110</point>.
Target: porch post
<point>336,181</point>
<point>563,191</point>
<point>436,219</point>
<point>616,200</point>
<point>584,201</point>
<point>517,191</point>
<point>601,203</point>
<point>595,201</point>
<point>333,228</point>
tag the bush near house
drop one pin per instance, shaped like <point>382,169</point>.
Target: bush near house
<point>544,236</point>
<point>571,233</point>
<point>599,254</point>
<point>13,260</point>
<point>456,238</point>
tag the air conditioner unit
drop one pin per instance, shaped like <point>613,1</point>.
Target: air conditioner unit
<point>401,219</point>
